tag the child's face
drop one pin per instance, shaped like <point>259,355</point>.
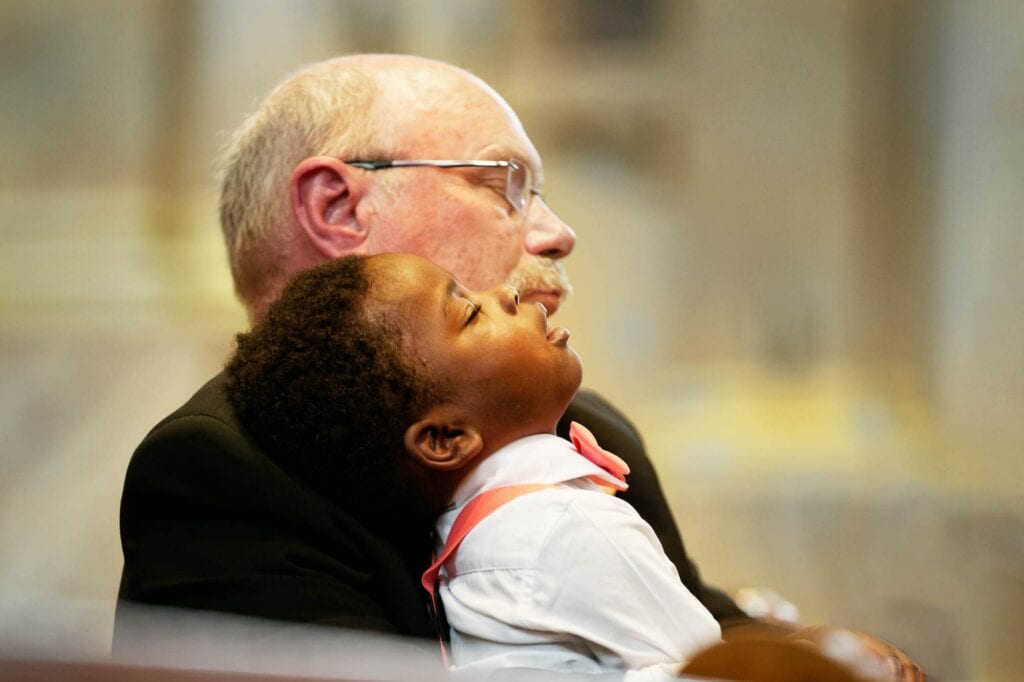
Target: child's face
<point>501,361</point>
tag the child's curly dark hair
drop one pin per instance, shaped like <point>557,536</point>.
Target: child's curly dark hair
<point>328,393</point>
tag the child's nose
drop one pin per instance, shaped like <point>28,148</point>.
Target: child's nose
<point>508,297</point>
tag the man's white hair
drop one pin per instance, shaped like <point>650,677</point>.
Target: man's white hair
<point>325,109</point>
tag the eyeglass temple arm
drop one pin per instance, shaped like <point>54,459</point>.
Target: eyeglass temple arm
<point>440,163</point>
<point>370,165</point>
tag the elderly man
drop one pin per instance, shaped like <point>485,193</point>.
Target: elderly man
<point>357,155</point>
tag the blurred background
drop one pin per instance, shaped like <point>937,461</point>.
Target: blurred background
<point>798,271</point>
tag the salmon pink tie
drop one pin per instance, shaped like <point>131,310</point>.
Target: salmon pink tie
<point>585,443</point>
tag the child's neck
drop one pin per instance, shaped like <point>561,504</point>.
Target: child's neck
<point>448,482</point>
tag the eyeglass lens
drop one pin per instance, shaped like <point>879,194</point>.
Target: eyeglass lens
<point>517,188</point>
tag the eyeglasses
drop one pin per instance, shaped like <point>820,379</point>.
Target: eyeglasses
<point>519,186</point>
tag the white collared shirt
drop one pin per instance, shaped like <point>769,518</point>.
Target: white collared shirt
<point>566,579</point>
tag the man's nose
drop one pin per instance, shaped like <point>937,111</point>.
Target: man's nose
<point>546,234</point>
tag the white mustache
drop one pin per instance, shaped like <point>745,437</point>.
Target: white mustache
<point>541,274</point>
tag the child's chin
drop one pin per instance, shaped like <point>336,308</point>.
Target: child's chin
<point>573,376</point>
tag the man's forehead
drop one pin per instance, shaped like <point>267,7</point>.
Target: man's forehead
<point>457,118</point>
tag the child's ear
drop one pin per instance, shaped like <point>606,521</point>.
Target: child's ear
<point>439,441</point>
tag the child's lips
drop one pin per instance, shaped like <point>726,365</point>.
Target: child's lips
<point>558,336</point>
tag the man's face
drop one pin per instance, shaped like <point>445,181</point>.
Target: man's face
<point>497,356</point>
<point>459,218</point>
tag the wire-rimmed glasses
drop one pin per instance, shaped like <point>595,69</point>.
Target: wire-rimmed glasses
<point>518,185</point>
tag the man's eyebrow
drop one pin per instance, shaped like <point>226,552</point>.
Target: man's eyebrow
<point>499,153</point>
<point>502,152</point>
<point>537,171</point>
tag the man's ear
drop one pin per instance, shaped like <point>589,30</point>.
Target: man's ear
<point>439,442</point>
<point>324,196</point>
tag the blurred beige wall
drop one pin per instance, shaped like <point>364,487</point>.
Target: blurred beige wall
<point>797,270</point>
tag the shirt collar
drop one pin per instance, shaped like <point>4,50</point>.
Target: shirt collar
<point>541,458</point>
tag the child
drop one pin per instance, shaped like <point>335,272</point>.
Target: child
<point>401,396</point>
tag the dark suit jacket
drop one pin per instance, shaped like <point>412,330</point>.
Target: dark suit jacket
<point>209,522</point>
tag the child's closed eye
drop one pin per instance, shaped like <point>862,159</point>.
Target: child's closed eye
<point>473,313</point>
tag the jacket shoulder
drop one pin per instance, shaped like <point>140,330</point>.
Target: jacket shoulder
<point>610,426</point>
<point>209,401</point>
